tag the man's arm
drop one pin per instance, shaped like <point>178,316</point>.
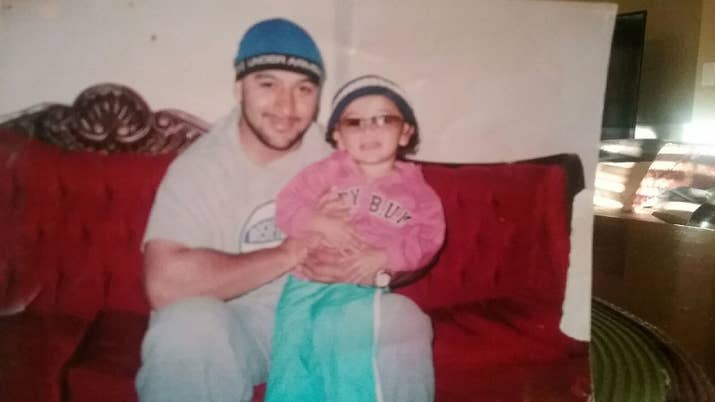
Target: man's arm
<point>173,271</point>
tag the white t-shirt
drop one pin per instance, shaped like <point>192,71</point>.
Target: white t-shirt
<point>213,195</point>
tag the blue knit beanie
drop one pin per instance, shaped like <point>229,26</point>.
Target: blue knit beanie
<point>278,44</point>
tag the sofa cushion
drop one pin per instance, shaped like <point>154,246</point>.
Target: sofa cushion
<point>104,368</point>
<point>566,380</point>
<point>33,353</point>
<point>484,334</point>
<point>77,219</point>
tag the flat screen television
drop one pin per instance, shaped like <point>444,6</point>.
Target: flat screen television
<point>624,72</point>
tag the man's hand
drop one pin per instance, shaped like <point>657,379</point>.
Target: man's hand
<point>332,267</point>
<point>295,250</point>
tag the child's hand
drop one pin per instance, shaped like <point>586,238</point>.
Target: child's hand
<point>336,233</point>
<point>332,205</point>
<point>332,220</point>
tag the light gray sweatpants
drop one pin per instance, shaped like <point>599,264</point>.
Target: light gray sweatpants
<point>207,350</point>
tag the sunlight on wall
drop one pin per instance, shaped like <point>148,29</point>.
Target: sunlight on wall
<point>605,202</point>
<point>644,133</point>
<point>617,182</point>
<point>700,132</point>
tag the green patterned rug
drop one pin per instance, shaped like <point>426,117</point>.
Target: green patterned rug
<point>633,361</point>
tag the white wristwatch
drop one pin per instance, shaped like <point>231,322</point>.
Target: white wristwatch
<point>382,279</point>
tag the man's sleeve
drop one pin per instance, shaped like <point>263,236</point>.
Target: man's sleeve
<point>179,212</point>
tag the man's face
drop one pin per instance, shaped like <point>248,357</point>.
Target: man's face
<point>277,106</point>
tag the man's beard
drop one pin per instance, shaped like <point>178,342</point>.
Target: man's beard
<point>264,139</point>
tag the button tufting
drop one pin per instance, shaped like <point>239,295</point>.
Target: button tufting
<point>17,192</point>
<point>86,234</point>
<point>40,234</point>
<point>108,195</point>
<point>62,189</point>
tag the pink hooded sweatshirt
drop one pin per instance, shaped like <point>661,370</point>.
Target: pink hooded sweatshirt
<point>399,213</point>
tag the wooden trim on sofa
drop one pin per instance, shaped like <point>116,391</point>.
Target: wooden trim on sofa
<point>109,118</point>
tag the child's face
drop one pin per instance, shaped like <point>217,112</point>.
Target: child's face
<point>371,129</point>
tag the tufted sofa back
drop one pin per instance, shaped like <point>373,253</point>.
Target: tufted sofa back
<point>72,224</point>
<point>507,237</point>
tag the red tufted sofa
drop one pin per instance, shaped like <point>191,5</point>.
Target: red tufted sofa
<point>76,185</point>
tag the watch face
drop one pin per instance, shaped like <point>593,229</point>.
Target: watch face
<point>382,279</point>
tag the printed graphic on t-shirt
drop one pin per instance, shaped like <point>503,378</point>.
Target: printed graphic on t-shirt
<point>378,205</point>
<point>260,230</point>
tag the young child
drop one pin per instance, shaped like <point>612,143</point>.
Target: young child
<point>363,201</point>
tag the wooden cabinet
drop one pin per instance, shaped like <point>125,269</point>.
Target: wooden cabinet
<point>661,272</point>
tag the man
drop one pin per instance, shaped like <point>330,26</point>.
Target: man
<point>214,262</point>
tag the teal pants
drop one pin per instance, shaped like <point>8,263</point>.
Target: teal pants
<point>324,344</point>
